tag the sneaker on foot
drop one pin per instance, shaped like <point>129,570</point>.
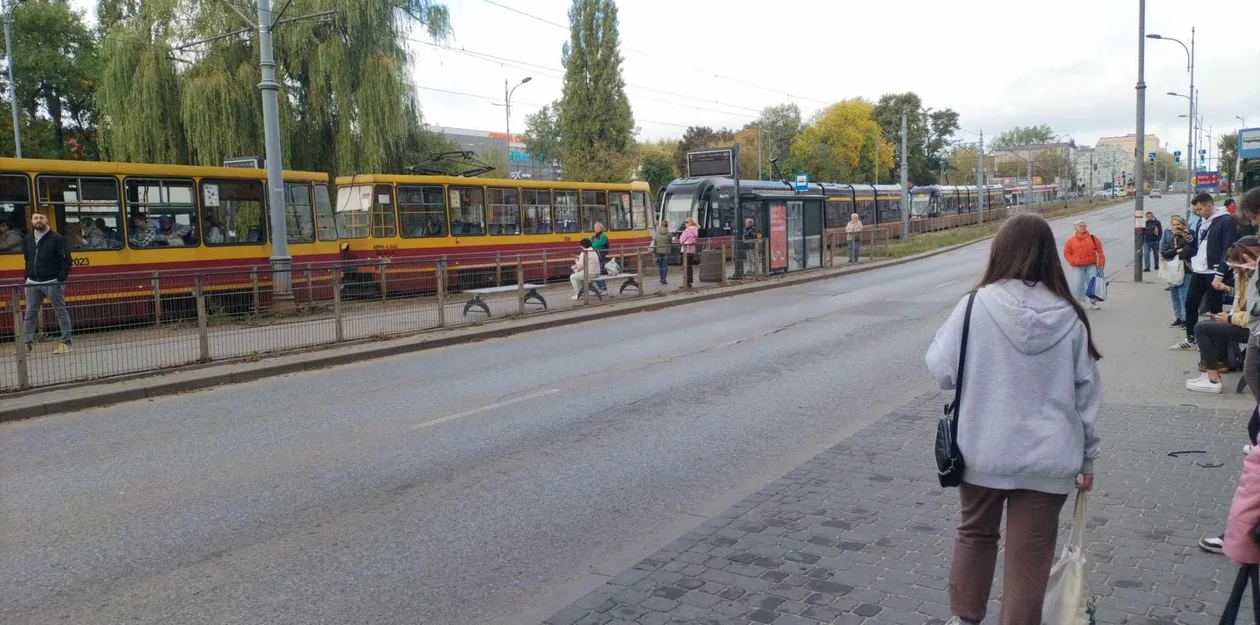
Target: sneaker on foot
<point>1177,323</point>
<point>62,348</point>
<point>1213,544</point>
<point>1202,384</point>
<point>577,297</point>
<point>1094,306</point>
<point>1182,345</point>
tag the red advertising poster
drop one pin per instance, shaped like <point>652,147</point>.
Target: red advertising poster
<point>778,237</point>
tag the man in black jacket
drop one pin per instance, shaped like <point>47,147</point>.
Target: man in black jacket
<point>1151,235</point>
<point>47,268</point>
<point>1213,238</point>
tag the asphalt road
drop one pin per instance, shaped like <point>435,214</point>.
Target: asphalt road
<point>484,483</point>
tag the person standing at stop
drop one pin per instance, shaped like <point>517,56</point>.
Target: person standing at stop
<point>599,243</point>
<point>687,242</point>
<point>1213,238</point>
<point>47,269</point>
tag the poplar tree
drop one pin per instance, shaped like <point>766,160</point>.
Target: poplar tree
<point>596,123</point>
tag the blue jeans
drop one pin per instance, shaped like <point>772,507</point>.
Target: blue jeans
<point>603,256</point>
<point>662,267</point>
<point>1080,281</point>
<point>1178,294</point>
<point>855,249</point>
<point>1150,255</point>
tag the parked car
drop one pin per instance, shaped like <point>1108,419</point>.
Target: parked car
<point>1156,193</point>
<point>1102,193</point>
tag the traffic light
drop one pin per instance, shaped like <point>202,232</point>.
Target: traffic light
<point>1177,158</point>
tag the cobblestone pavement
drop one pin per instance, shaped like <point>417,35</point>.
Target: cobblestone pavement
<point>863,533</point>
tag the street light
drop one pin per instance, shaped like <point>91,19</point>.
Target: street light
<point>1189,139</point>
<point>507,106</point>
<point>8,61</point>
<point>1237,153</point>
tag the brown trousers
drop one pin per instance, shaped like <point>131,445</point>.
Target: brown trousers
<point>1032,527</point>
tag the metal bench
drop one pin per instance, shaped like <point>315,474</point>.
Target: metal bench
<point>531,293</point>
<point>629,280</point>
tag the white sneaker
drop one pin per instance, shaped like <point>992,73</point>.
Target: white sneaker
<point>1093,306</point>
<point>1202,384</point>
<point>576,297</point>
<point>1182,345</point>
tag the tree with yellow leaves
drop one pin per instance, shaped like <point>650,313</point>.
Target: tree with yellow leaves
<point>841,143</point>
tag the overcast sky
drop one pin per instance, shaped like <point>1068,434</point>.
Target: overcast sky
<point>1071,64</point>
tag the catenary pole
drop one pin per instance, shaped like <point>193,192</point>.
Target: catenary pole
<point>1139,180</point>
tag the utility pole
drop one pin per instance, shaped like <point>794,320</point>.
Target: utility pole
<point>905,181</point>
<point>1028,202</point>
<point>8,57</point>
<point>983,195</point>
<point>507,108</point>
<point>281,262</point>
<point>1139,180</point>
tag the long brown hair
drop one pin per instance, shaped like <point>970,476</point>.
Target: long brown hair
<point>1024,249</point>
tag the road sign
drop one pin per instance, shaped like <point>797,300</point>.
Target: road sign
<point>704,163</point>
<point>1176,152</point>
<point>245,162</point>
<point>1249,144</point>
<point>1152,155</point>
<point>802,183</point>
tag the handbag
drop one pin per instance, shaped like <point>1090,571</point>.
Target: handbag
<point>1097,289</point>
<point>1173,272</point>
<point>949,459</point>
<point>1068,600</point>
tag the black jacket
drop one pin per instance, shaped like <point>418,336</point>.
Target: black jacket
<point>1153,230</point>
<point>1218,239</point>
<point>47,260</point>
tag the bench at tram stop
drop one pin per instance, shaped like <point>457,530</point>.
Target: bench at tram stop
<point>531,293</point>
<point>629,280</point>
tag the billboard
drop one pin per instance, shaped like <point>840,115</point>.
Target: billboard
<point>1249,143</point>
<point>1207,180</point>
<point>778,237</point>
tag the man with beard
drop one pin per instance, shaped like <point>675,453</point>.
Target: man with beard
<point>47,268</point>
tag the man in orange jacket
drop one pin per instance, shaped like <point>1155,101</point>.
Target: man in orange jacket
<point>1084,252</point>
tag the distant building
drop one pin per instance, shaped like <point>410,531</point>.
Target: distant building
<point>1019,156</point>
<point>1128,144</point>
<point>1095,166</point>
<point>482,142</point>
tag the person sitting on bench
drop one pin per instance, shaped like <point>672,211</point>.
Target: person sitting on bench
<point>1213,337</point>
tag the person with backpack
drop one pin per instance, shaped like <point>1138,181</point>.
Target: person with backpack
<point>1084,252</point>
<point>1028,404</point>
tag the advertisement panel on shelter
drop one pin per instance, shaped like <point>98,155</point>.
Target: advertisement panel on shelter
<point>1249,143</point>
<point>778,237</point>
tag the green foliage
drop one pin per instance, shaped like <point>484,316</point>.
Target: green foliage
<point>542,133</point>
<point>927,133</point>
<point>595,120</point>
<point>346,97</point>
<point>498,159</point>
<point>841,143</point>
<point>1227,148</point>
<point>656,166</point>
<point>1020,136</point>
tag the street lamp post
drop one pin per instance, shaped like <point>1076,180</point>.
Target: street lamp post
<point>507,109</point>
<point>8,61</point>
<point>1139,178</point>
<point>1237,153</point>
<point>1190,138</point>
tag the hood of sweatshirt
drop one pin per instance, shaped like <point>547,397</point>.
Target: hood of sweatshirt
<point>1032,318</point>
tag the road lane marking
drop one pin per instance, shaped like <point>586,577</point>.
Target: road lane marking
<point>494,406</point>
<point>945,284</point>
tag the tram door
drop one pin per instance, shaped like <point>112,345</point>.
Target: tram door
<point>813,233</point>
<point>796,234</point>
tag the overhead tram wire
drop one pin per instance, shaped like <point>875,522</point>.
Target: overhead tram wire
<point>669,61</point>
<point>495,99</point>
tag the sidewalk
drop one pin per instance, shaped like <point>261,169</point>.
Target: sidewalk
<point>862,533</point>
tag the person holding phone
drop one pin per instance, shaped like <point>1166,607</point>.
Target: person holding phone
<point>1214,336</point>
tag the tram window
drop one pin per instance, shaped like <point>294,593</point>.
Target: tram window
<point>162,212</point>
<point>299,227</point>
<point>619,211</point>
<point>87,210</point>
<point>567,213</point>
<point>232,212</point>
<point>639,211</point>
<point>594,209</point>
<point>325,222</point>
<point>866,209</point>
<point>505,211</point>
<point>352,208</point>
<point>383,225</point>
<point>537,206</point>
<point>468,211</point>
<point>15,202</point>
<point>422,211</point>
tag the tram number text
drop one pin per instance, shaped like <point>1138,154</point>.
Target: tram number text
<point>80,262</point>
<point>384,247</point>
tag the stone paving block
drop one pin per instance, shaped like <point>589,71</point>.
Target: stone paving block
<point>861,533</point>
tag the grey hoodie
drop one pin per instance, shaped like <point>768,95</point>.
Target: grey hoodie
<point>1031,392</point>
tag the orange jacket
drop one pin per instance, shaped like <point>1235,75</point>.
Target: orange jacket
<point>1083,250</point>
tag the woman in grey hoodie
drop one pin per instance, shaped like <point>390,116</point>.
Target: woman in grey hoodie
<point>1026,424</point>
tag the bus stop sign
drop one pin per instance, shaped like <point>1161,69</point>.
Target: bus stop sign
<point>802,183</point>
<point>704,163</point>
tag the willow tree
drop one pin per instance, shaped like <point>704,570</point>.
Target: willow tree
<point>346,102</point>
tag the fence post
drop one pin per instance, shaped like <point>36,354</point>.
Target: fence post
<point>722,280</point>
<point>203,321</point>
<point>384,283</point>
<point>338,319</point>
<point>254,280</point>
<point>310,286</point>
<point>638,263</point>
<point>19,338</point>
<point>441,292</point>
<point>686,266</point>
<point>498,269</point>
<point>520,286</point>
<point>157,300</point>
<point>546,276</point>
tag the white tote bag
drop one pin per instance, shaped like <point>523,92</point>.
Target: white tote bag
<point>1068,600</point>
<point>1173,272</point>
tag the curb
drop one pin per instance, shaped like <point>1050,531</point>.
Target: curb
<point>325,357</point>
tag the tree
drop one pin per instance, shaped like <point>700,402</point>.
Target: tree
<point>961,164</point>
<point>699,138</point>
<point>779,125</point>
<point>496,158</point>
<point>927,133</point>
<point>346,97</point>
<point>542,133</point>
<point>596,123</point>
<point>656,165</point>
<point>841,144</point>
<point>1227,149</point>
<point>1020,136</point>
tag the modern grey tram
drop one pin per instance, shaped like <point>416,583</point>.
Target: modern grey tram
<point>937,200</point>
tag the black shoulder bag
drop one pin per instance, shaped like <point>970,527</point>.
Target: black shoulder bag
<point>949,459</point>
